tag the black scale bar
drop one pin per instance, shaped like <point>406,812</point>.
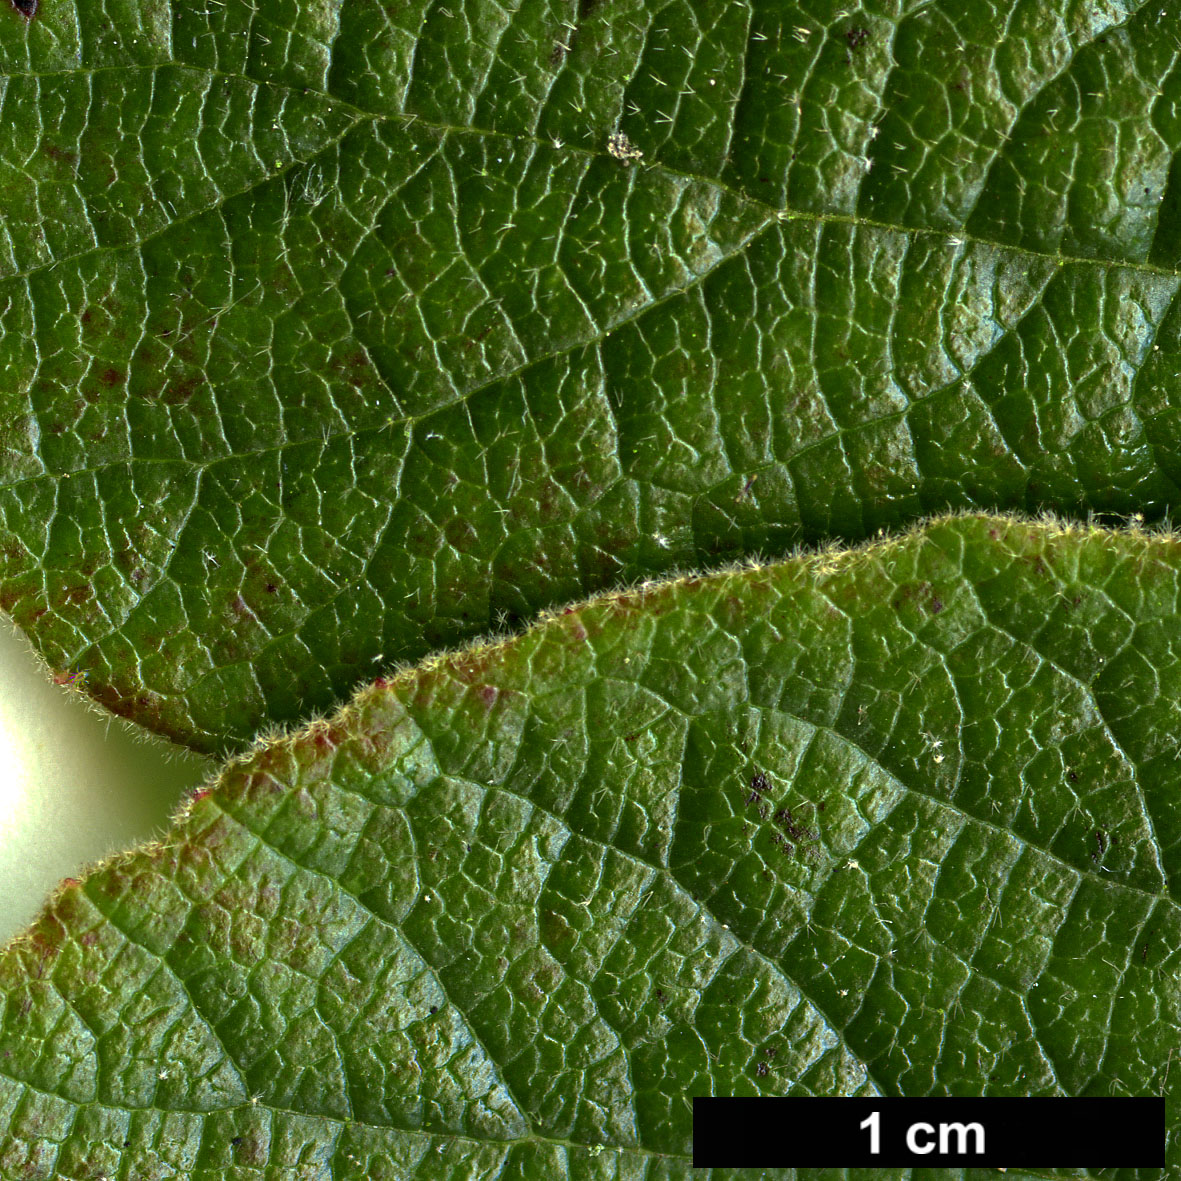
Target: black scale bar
<point>769,1132</point>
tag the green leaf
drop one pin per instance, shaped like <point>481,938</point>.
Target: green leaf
<point>336,333</point>
<point>900,820</point>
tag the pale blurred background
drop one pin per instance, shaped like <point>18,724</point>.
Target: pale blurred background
<point>75,785</point>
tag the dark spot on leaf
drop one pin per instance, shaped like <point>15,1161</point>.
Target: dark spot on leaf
<point>759,783</point>
<point>460,534</point>
<point>555,930</point>
<point>434,1008</point>
<point>59,155</point>
<point>180,391</point>
<point>1101,843</point>
<point>936,605</point>
<point>478,337</point>
<point>46,940</point>
<point>271,588</point>
<point>792,826</point>
<point>661,997</point>
<point>762,1069</point>
<point>783,844</point>
<point>110,377</point>
<point>1072,776</point>
<point>356,368</point>
<point>27,8</point>
<point>855,38</point>
<point>910,592</point>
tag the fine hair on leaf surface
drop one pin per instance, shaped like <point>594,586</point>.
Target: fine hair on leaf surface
<point>469,924</point>
<point>629,487</point>
<point>334,337</point>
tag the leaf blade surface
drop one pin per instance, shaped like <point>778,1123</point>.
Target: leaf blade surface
<point>337,335</point>
<point>872,823</point>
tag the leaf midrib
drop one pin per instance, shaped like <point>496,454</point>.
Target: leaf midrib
<point>775,215</point>
<point>957,237</point>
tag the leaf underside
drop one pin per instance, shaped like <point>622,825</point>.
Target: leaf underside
<point>897,821</point>
<point>335,333</point>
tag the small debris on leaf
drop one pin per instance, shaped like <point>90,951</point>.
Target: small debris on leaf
<point>622,148</point>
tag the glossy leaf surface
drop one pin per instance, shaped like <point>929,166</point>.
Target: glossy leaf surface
<point>335,333</point>
<point>896,822</point>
